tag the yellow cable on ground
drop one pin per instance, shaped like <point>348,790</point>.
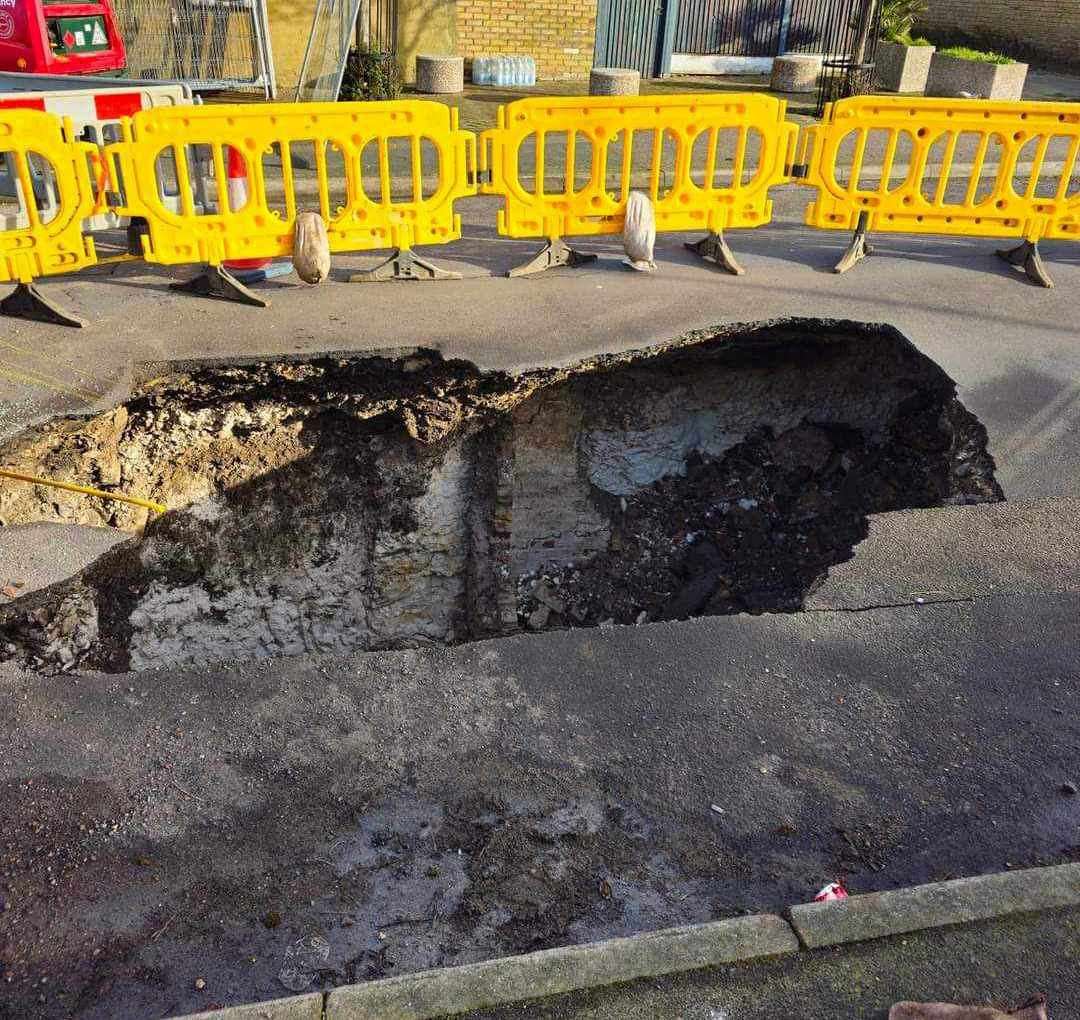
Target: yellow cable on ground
<point>158,508</point>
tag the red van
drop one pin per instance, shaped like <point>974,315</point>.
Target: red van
<point>49,37</point>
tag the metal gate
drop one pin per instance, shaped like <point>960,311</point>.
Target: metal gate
<point>767,28</point>
<point>382,26</point>
<point>738,28</point>
<point>634,34</point>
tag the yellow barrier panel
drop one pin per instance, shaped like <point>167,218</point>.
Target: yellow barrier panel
<point>706,162</point>
<point>366,167</point>
<point>976,168</point>
<point>44,237</point>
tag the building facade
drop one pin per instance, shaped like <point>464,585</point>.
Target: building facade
<point>560,34</point>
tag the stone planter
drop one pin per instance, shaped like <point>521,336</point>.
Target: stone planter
<point>903,68</point>
<point>951,76</point>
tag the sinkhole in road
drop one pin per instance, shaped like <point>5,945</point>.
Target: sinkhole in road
<point>381,502</point>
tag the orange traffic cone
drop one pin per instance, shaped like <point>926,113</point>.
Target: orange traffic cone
<point>236,169</point>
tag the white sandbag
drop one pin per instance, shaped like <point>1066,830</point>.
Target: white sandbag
<point>639,232</point>
<point>311,248</point>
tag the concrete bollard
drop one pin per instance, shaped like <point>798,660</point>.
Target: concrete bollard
<point>440,75</point>
<point>796,72</point>
<point>614,81</point>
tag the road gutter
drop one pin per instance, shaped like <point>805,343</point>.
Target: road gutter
<point>428,995</point>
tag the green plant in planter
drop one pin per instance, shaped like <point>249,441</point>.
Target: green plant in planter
<point>370,74</point>
<point>897,19</point>
<point>967,53</point>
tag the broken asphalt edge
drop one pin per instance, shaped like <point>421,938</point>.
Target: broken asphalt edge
<point>451,991</point>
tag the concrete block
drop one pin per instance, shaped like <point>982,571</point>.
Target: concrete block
<point>437,993</point>
<point>614,81</point>
<point>796,72</point>
<point>933,906</point>
<point>903,68</point>
<point>298,1007</point>
<point>951,76</point>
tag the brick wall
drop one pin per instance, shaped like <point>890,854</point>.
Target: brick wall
<point>558,33</point>
<point>1039,28</point>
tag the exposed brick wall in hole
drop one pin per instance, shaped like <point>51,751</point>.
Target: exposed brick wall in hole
<point>1050,28</point>
<point>559,33</point>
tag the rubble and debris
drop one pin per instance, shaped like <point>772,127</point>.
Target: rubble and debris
<point>304,958</point>
<point>832,892</point>
<point>53,636</point>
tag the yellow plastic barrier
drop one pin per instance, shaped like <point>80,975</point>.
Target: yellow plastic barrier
<point>976,168</point>
<point>682,140</point>
<point>44,238</point>
<point>348,175</point>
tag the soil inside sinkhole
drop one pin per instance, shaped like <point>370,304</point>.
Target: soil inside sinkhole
<point>376,503</point>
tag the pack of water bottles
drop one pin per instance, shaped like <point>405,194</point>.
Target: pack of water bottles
<point>504,70</point>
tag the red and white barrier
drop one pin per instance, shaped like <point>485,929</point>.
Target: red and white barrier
<point>96,115</point>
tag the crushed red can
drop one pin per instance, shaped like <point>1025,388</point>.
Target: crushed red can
<point>833,891</point>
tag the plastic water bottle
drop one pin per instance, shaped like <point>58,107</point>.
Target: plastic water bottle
<point>481,72</point>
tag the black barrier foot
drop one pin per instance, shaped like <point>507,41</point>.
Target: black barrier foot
<point>403,265</point>
<point>554,254</point>
<point>857,250</point>
<point>27,302</point>
<point>715,249</point>
<point>218,282</point>
<point>1028,257</point>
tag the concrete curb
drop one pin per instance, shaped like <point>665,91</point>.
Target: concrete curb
<point>439,993</point>
<point>298,1007</point>
<point>874,916</point>
<point>436,993</point>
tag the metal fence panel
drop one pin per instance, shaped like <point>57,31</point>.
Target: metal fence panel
<point>210,44</point>
<point>327,50</point>
<point>631,33</point>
